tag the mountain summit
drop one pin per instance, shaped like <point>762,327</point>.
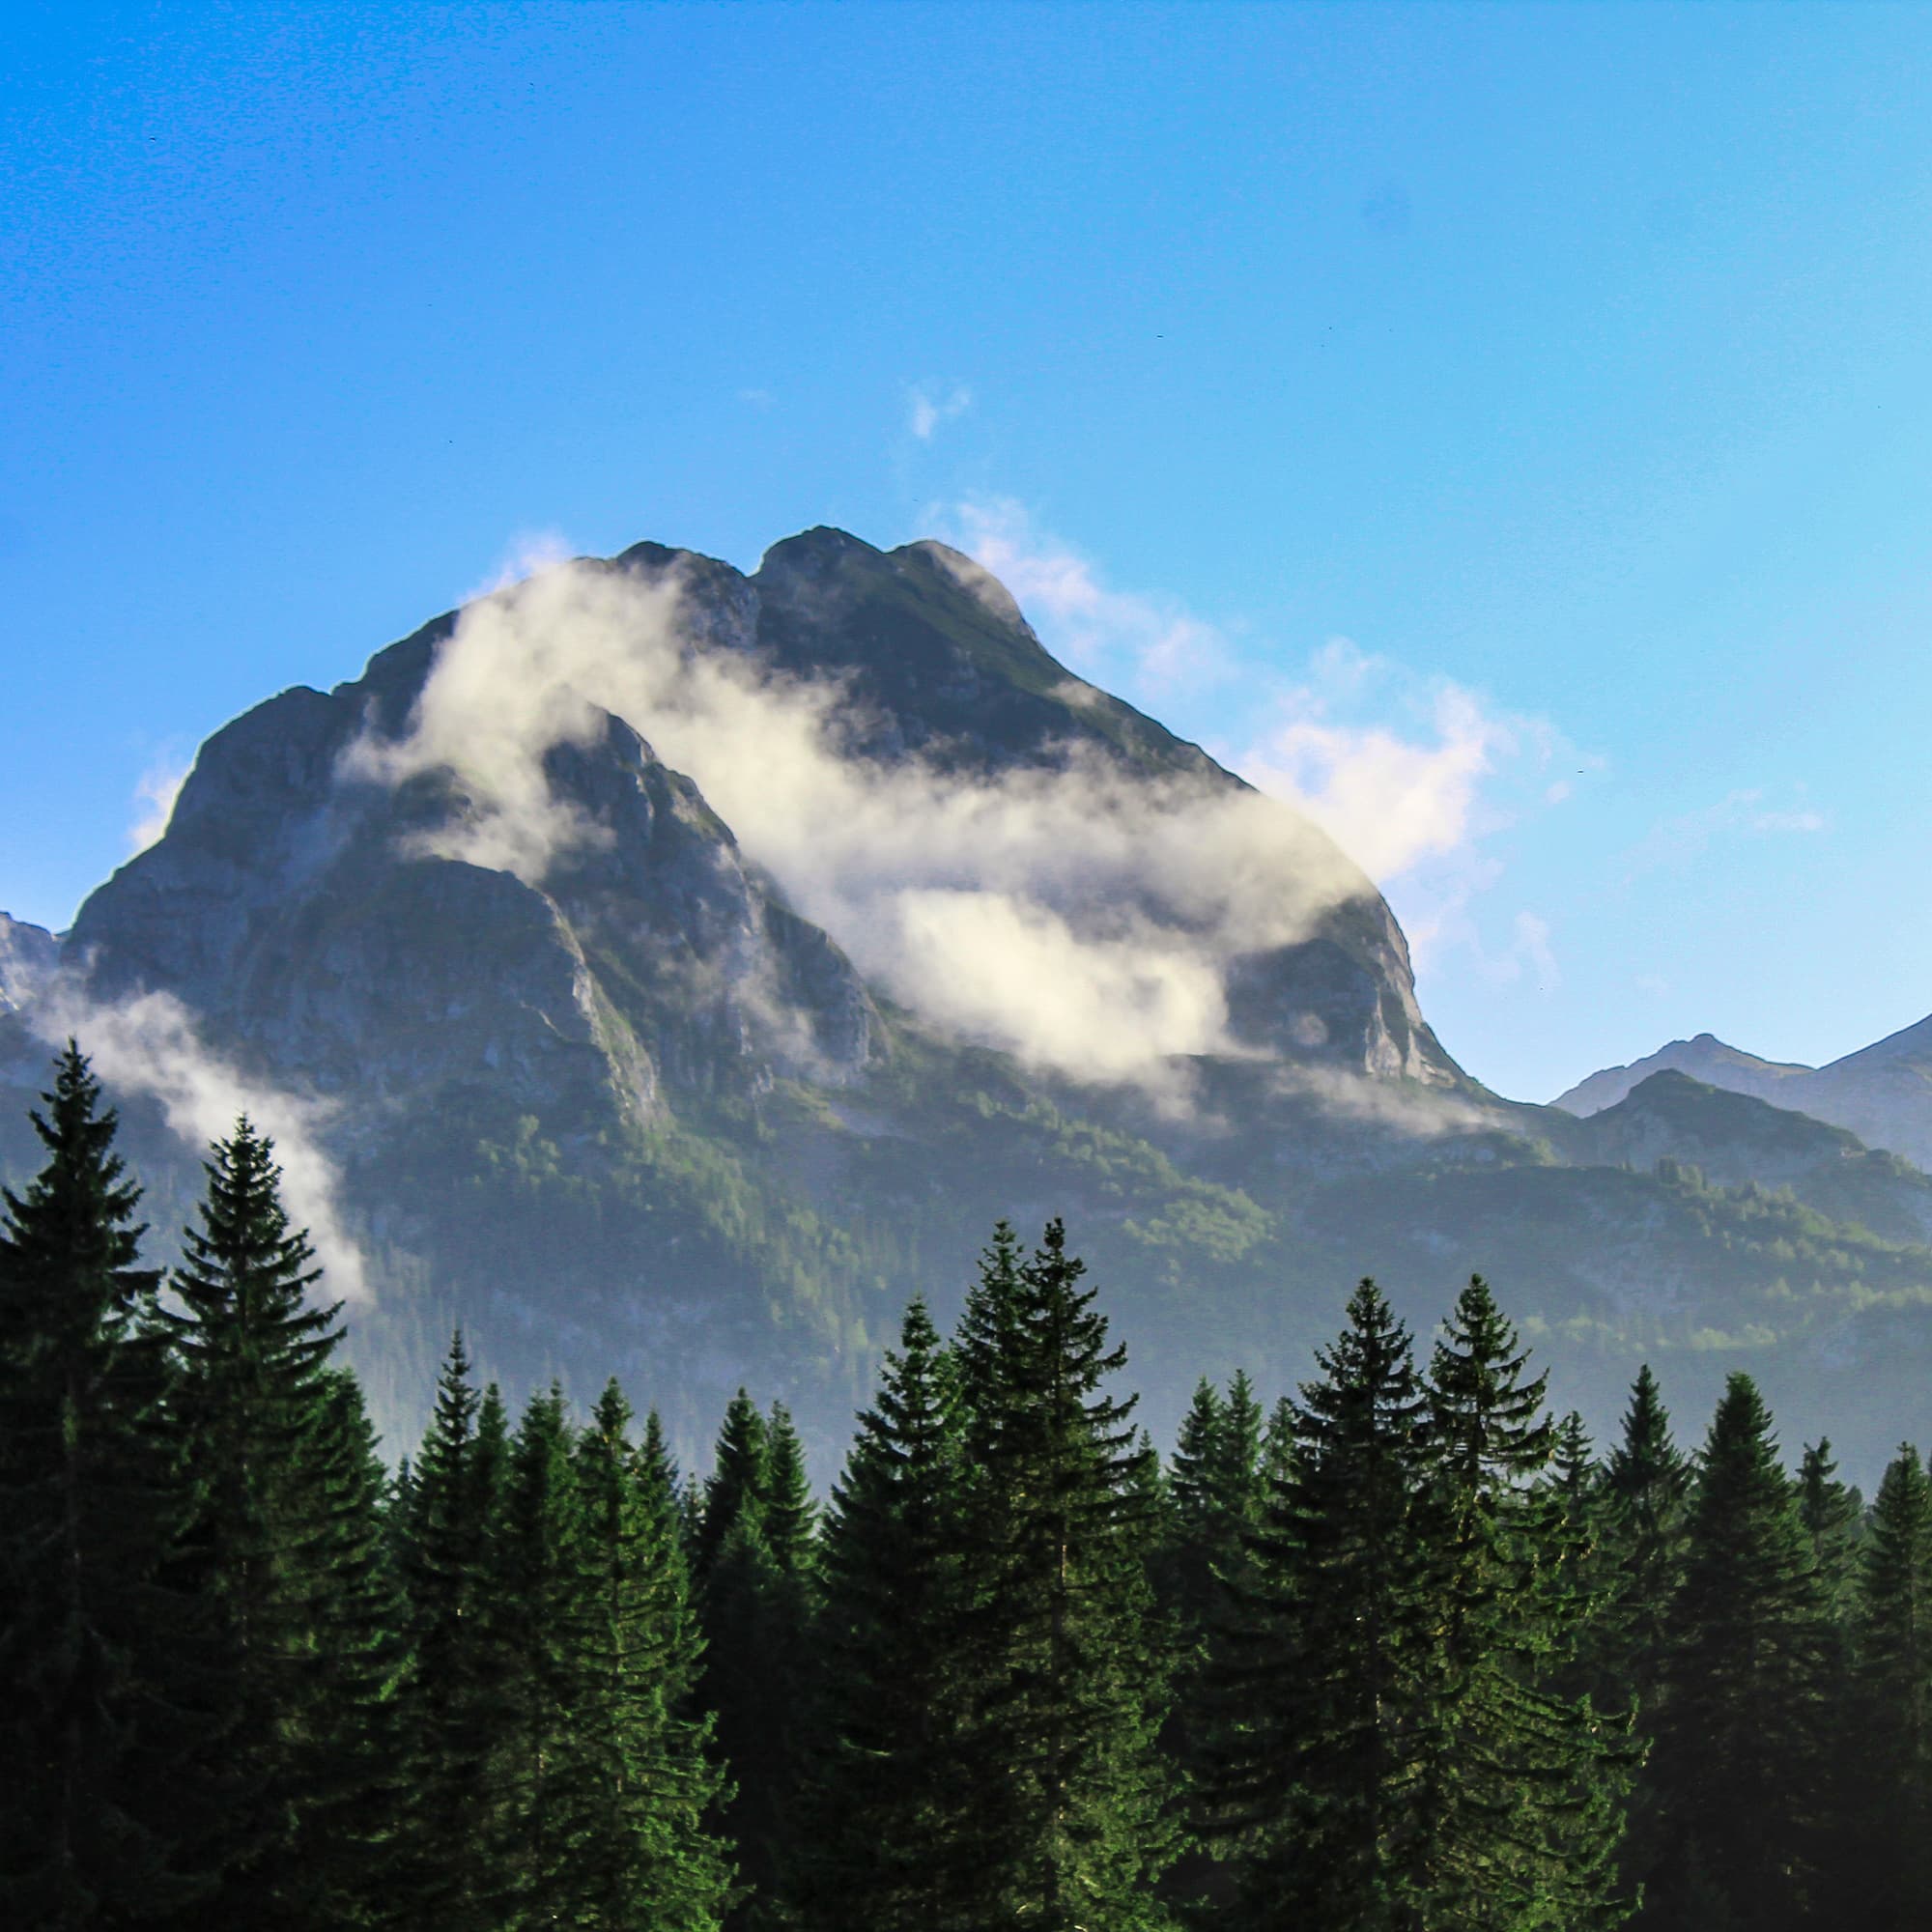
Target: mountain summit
<point>666,971</point>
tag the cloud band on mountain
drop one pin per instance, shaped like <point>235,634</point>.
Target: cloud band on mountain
<point>1076,914</point>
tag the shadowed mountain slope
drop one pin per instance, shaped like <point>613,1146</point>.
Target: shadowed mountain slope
<point>625,1087</point>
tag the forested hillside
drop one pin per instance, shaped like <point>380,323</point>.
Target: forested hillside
<point>1396,1649</point>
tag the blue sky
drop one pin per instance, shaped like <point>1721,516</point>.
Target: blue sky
<point>1508,429</point>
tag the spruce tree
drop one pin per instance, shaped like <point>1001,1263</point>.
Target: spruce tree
<point>1646,1487</point>
<point>753,1561</point>
<point>884,1844</point>
<point>1068,1690</point>
<point>288,1531</point>
<point>108,1712</point>
<point>1738,1768</point>
<point>451,1696</point>
<point>638,1782</point>
<point>1832,1513</point>
<point>1889,1720</point>
<point>1525,1788</point>
<point>532,1608</point>
<point>1329,1718</point>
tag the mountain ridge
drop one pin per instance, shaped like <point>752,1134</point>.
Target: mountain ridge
<point>571,930</point>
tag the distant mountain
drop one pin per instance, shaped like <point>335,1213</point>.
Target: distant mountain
<point>676,969</point>
<point>1705,1057</point>
<point>1882,1093</point>
<point>1739,1142</point>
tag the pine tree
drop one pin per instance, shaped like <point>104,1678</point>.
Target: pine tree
<point>532,1608</point>
<point>639,1784</point>
<point>1832,1513</point>
<point>1574,1546</point>
<point>1646,1485</point>
<point>355,1788</point>
<point>1523,1811</point>
<point>736,1486</point>
<point>1322,1760</point>
<point>102,1650</point>
<point>451,1694</point>
<point>883,1835</point>
<point>1068,1690</point>
<point>753,1560</point>
<point>1217,1490</point>
<point>1738,1766</point>
<point>1890,1713</point>
<point>288,1532</point>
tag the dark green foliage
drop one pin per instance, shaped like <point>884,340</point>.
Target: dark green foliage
<point>1524,1797</point>
<point>757,1570</point>
<point>1068,1688</point>
<point>1646,1485</point>
<point>1831,1513</point>
<point>253,1681</point>
<point>531,1610</point>
<point>451,1699</point>
<point>289,1534</point>
<point>885,1842</point>
<point>1890,1775</point>
<point>639,1784</point>
<point>107,1710</point>
<point>1738,1766</point>
<point>1331,1718</point>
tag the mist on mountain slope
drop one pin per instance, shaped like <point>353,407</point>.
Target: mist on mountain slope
<point>1075,914</point>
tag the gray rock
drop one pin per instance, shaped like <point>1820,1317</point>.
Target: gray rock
<point>28,956</point>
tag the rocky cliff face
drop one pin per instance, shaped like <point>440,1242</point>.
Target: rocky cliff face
<point>289,909</point>
<point>644,1101</point>
<point>304,912</point>
<point>28,956</point>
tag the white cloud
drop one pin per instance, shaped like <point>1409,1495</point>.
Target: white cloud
<point>926,411</point>
<point>154,795</point>
<point>1139,641</point>
<point>1389,799</point>
<point>1076,915</point>
<point>149,1046</point>
<point>1744,812</point>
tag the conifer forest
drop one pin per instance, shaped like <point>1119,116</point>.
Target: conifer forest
<point>1397,1650</point>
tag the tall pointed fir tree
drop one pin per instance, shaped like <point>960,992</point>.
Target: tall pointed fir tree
<point>884,1844</point>
<point>535,1567</point>
<point>289,1536</point>
<point>1890,1719</point>
<point>638,1782</point>
<point>102,1647</point>
<point>1646,1489</point>
<point>1323,1756</point>
<point>1737,1772</point>
<point>1832,1513</point>
<point>755,1568</point>
<point>1525,1788</point>
<point>1068,1689</point>
<point>451,1696</point>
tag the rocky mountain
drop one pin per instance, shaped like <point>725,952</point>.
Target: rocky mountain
<point>1706,1059</point>
<point>1882,1093</point>
<point>674,969</point>
<point>28,956</point>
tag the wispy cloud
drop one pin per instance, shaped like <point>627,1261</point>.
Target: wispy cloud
<point>1079,916</point>
<point>154,795</point>
<point>151,1046</point>
<point>926,410</point>
<point>1748,812</point>
<point>1141,642</point>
